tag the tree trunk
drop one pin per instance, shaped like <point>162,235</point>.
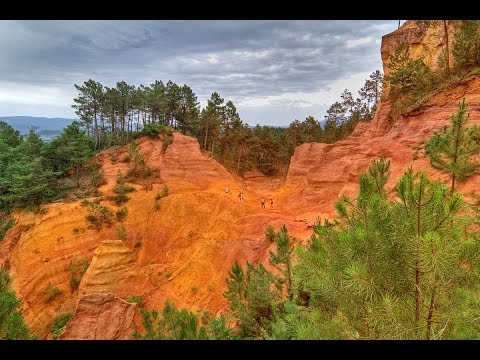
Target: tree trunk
<point>417,261</point>
<point>239,157</point>
<point>430,313</point>
<point>78,176</point>
<point>447,47</point>
<point>206,136</point>
<point>97,140</point>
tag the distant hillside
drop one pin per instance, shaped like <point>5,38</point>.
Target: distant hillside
<point>47,128</point>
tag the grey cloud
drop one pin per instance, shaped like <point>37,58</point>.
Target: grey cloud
<point>238,59</point>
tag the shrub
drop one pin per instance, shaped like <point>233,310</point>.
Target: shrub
<point>270,233</point>
<point>51,292</point>
<point>122,213</point>
<point>75,282</point>
<point>12,323</point>
<point>135,299</point>
<point>5,225</point>
<point>98,178</point>
<point>138,243</point>
<point>164,191</point>
<point>99,215</point>
<point>147,186</point>
<point>153,130</point>
<point>78,265</point>
<point>121,233</point>
<point>59,323</point>
<point>171,324</point>
<point>156,206</point>
<point>158,196</point>
<point>77,268</point>
<point>121,190</point>
<point>166,142</point>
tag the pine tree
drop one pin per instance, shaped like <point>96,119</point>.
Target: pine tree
<point>405,73</point>
<point>379,170</point>
<point>451,150</point>
<point>466,48</point>
<point>282,259</point>
<point>12,324</point>
<point>71,149</point>
<point>174,324</point>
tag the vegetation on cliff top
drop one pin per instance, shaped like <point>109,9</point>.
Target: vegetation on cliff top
<point>413,83</point>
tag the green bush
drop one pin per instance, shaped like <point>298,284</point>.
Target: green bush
<point>12,324</point>
<point>270,233</point>
<point>59,323</point>
<point>121,233</point>
<point>77,268</point>
<point>121,191</point>
<point>51,293</point>
<point>153,130</point>
<point>173,324</point>
<point>5,225</point>
<point>166,142</point>
<point>122,213</point>
<point>165,191</point>
<point>75,282</point>
<point>99,215</point>
<point>98,178</point>
<point>135,299</point>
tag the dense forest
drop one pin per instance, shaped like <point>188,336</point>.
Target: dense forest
<point>396,263</point>
<point>117,115</point>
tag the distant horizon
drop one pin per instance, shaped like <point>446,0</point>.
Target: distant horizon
<point>26,128</point>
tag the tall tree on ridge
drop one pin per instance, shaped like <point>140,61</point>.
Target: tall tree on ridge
<point>451,150</point>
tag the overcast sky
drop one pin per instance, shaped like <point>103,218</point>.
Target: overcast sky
<point>273,71</point>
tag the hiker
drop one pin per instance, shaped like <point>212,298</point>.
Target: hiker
<point>271,203</point>
<point>240,196</point>
<point>263,202</point>
<point>227,190</point>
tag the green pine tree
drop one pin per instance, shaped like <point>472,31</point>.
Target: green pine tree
<point>451,150</point>
<point>12,324</point>
<point>71,150</point>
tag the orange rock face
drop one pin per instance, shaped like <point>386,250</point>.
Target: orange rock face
<point>320,173</point>
<point>427,44</point>
<point>183,249</point>
<point>101,317</point>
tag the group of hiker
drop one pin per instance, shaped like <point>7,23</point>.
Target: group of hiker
<point>263,203</point>
<point>240,198</point>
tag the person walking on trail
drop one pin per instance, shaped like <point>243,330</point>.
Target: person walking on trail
<point>227,190</point>
<point>240,196</point>
<point>271,203</point>
<point>263,202</point>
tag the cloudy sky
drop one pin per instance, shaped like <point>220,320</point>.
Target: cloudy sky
<point>273,71</point>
